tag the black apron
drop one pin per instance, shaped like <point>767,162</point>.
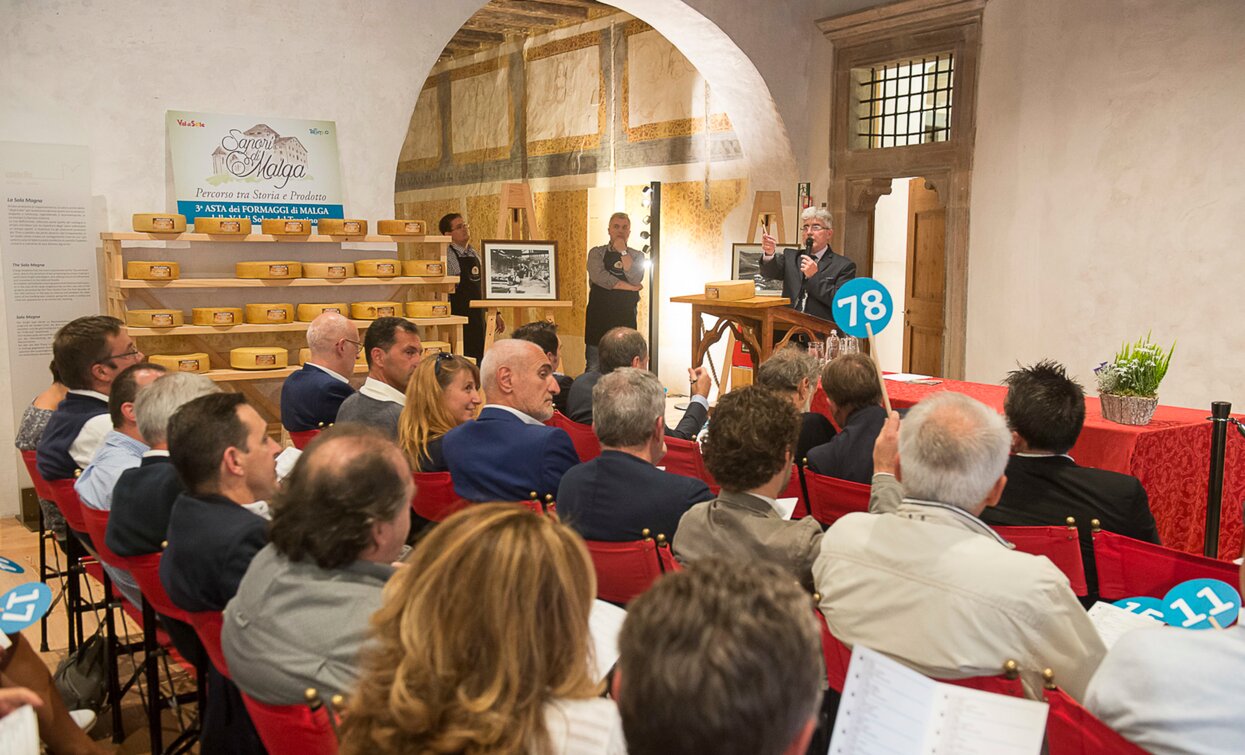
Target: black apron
<point>609,307</point>
<point>469,288</point>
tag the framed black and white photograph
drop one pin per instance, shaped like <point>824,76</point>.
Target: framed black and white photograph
<point>520,269</point>
<point>746,264</point>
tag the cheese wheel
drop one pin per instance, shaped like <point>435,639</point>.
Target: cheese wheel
<point>258,358</point>
<point>370,310</point>
<point>342,227</point>
<point>304,355</point>
<point>159,222</point>
<point>153,271</point>
<point>286,227</point>
<point>194,362</point>
<point>269,269</point>
<point>269,314</point>
<point>329,270</point>
<point>436,347</point>
<point>382,268</point>
<point>309,312</point>
<point>401,227</point>
<point>216,316</point>
<point>223,226</point>
<point>154,318</point>
<point>423,268</point>
<point>427,309</point>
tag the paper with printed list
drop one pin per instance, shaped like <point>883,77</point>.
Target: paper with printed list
<point>1113,622</point>
<point>19,732</point>
<point>888,707</point>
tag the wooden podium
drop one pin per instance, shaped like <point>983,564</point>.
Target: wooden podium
<point>752,321</point>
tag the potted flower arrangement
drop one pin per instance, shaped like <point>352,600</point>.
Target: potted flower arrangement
<point>1128,386</point>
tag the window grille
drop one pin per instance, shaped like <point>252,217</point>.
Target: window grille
<point>904,103</point>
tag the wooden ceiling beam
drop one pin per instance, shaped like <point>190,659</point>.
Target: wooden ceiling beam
<point>536,7</point>
<point>480,35</point>
<point>501,15</point>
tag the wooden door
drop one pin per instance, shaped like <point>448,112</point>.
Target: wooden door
<point>925,284</point>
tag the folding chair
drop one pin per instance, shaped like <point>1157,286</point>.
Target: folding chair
<point>1072,730</point>
<point>624,570</point>
<point>294,729</point>
<point>435,498</point>
<point>207,625</point>
<point>683,457</point>
<point>80,561</point>
<point>1128,567</point>
<point>1062,545</point>
<point>46,573</point>
<point>587,446</point>
<point>300,438</point>
<point>830,498</point>
<point>795,489</point>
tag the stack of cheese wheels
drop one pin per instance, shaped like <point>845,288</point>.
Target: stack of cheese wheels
<point>309,312</point>
<point>159,222</point>
<point>370,310</point>
<point>401,227</point>
<point>269,314</point>
<point>216,316</point>
<point>436,347</point>
<point>328,270</point>
<point>258,358</point>
<point>382,268</point>
<point>286,227</point>
<point>194,362</point>
<point>154,318</point>
<point>271,269</point>
<point>342,227</point>
<point>141,270</point>
<point>304,355</point>
<point>423,268</point>
<point>427,309</point>
<point>223,226</point>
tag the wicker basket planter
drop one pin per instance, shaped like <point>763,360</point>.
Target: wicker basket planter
<point>1128,410</point>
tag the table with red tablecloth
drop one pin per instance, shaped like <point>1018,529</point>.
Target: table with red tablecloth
<point>1170,456</point>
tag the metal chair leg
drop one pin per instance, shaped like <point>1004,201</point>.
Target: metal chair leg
<point>111,643</point>
<point>43,575</point>
<point>151,662</point>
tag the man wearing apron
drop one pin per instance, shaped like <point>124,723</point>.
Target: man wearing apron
<point>464,261</point>
<point>615,273</point>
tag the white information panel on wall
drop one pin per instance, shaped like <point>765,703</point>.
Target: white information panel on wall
<point>248,166</point>
<point>48,255</point>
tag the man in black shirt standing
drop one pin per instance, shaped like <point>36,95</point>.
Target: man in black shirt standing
<point>462,260</point>
<point>615,273</point>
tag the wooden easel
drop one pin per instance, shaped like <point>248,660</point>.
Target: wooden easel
<point>517,216</point>
<point>767,213</point>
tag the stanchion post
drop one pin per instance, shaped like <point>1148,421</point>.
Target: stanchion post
<point>1219,411</point>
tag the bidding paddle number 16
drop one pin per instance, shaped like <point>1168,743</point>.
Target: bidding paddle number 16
<point>861,305</point>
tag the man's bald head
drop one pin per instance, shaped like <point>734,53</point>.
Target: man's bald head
<point>330,337</point>
<point>518,374</point>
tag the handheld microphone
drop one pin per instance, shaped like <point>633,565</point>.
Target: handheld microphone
<point>808,247</point>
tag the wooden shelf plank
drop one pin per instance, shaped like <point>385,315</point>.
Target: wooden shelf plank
<point>521,303</point>
<point>268,238</point>
<point>231,375</point>
<point>182,330</point>
<point>400,280</point>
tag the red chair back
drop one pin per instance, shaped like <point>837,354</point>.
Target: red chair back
<point>795,489</point>
<point>830,498</point>
<point>435,498</point>
<point>999,685</point>
<point>1128,567</point>
<point>624,570</point>
<point>207,625</point>
<point>587,446</point>
<point>42,488</point>
<point>1072,730</point>
<point>683,457</point>
<point>146,572</point>
<point>66,499</point>
<point>292,729</point>
<point>97,527</point>
<point>1061,545</point>
<point>300,438</point>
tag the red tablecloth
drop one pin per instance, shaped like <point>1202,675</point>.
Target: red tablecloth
<point>1171,457</point>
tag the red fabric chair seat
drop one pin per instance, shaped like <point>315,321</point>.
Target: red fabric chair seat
<point>292,729</point>
<point>625,570</point>
<point>1059,544</point>
<point>683,457</point>
<point>435,498</point>
<point>300,438</point>
<point>587,446</point>
<point>146,572</point>
<point>1072,730</point>
<point>830,498</point>
<point>207,624</point>
<point>1128,568</point>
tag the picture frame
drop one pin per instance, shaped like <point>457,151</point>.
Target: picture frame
<point>520,269</point>
<point>745,264</point>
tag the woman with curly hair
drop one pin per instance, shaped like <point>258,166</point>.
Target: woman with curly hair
<point>443,393</point>
<point>482,646</point>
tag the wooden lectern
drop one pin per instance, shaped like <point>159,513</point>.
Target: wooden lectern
<point>752,321</point>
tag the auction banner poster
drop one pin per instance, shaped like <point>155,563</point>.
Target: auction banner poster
<point>246,166</point>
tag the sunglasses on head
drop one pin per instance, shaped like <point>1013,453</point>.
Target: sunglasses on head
<point>442,356</point>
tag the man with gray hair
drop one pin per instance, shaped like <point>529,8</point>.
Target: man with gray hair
<point>928,583</point>
<point>507,453</point>
<point>810,275</point>
<point>792,372</point>
<point>311,396</point>
<point>619,494</point>
<point>615,277</point>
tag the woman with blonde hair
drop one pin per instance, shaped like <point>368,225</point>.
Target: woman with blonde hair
<point>482,646</point>
<point>443,393</point>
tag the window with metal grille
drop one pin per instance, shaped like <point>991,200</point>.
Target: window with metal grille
<point>903,103</point>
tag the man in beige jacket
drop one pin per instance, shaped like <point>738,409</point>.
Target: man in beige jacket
<point>925,581</point>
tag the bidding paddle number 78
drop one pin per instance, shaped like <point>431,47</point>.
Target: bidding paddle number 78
<point>861,305</point>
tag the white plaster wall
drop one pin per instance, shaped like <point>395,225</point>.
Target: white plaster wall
<point>890,264</point>
<point>1108,185</point>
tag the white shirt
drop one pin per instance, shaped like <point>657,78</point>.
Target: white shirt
<point>83,449</point>
<point>382,391</point>
<point>326,369</point>
<point>584,727</point>
<point>526,418</point>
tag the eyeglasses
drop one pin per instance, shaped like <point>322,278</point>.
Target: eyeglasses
<point>459,227</point>
<point>358,347</point>
<point>131,354</point>
<point>442,356</point>
<point>815,227</point>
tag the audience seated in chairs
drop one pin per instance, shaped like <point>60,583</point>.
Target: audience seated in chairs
<point>393,349</point>
<point>851,385</point>
<point>545,335</point>
<point>443,393</point>
<point>930,568</point>
<point>89,353</point>
<point>122,449</point>
<point>301,613</point>
<point>793,373</point>
<point>30,431</point>
<point>311,396</point>
<point>1045,410</point>
<point>482,645</point>
<point>617,495</point>
<point>625,347</point>
<point>507,453</point>
<point>748,451</point>
<point>697,641</point>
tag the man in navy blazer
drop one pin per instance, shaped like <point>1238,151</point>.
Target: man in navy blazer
<point>508,453</point>
<point>810,282</point>
<point>311,396</point>
<point>619,494</point>
<point>851,385</point>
